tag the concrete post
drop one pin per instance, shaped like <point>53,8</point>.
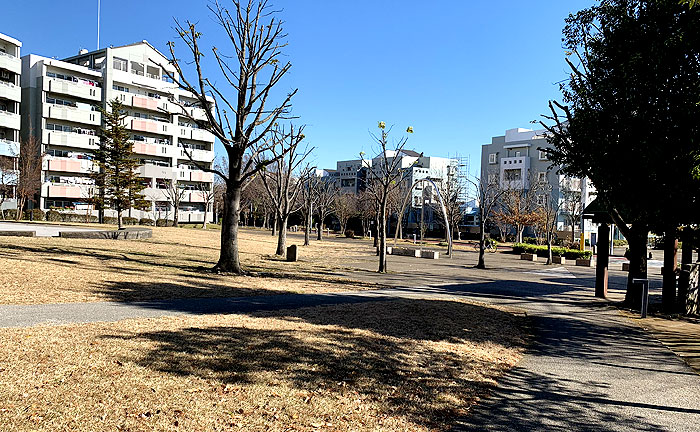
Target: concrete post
<point>601,271</point>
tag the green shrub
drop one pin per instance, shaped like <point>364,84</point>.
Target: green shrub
<point>541,251</point>
<point>619,243</point>
<point>10,214</point>
<point>35,215</point>
<point>349,233</point>
<point>130,221</point>
<point>146,221</point>
<point>111,220</point>
<point>53,216</point>
<point>164,223</point>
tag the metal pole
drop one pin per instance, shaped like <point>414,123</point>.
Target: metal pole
<point>645,295</point>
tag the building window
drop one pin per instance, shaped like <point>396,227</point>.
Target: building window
<point>493,158</point>
<point>512,175</point>
<point>543,155</point>
<point>542,177</point>
<point>541,200</point>
<point>517,154</point>
<point>120,64</point>
<point>120,88</point>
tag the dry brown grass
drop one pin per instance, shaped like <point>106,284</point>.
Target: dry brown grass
<point>170,265</point>
<point>392,365</point>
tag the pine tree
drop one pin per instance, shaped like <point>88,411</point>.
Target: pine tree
<point>122,185</point>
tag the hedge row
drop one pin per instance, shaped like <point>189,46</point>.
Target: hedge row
<point>541,251</point>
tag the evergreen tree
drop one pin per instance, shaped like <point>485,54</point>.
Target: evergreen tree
<point>115,160</point>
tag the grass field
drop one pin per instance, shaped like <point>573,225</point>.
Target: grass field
<point>170,265</point>
<point>401,365</point>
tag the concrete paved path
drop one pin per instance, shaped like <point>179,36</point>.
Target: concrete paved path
<point>588,369</point>
<point>41,230</point>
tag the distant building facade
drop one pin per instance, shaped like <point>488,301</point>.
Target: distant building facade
<point>516,160</point>
<point>10,120</point>
<point>62,101</point>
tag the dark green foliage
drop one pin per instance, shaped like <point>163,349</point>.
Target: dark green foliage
<point>35,215</point>
<point>164,223</point>
<point>541,251</point>
<point>146,221</point>
<point>116,162</point>
<point>130,221</point>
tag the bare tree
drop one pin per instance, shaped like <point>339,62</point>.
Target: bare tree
<point>29,166</point>
<point>242,119</point>
<point>344,207</point>
<point>572,203</point>
<point>383,178</point>
<point>8,180</point>
<point>451,190</point>
<point>324,192</point>
<point>489,193</point>
<point>518,203</point>
<point>175,194</point>
<point>549,207</point>
<point>207,192</point>
<point>283,178</point>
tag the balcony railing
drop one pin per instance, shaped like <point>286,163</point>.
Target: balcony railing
<point>4,54</point>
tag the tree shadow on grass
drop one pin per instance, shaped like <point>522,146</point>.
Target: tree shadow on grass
<point>389,353</point>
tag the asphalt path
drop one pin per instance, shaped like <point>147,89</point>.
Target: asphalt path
<point>588,367</point>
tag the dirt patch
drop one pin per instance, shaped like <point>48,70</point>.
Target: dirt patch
<point>393,366</point>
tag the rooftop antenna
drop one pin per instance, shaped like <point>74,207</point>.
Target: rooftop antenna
<point>98,24</point>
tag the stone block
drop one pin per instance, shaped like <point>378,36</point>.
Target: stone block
<point>18,233</point>
<point>584,262</point>
<point>292,253</point>
<point>429,254</point>
<point>558,260</point>
<point>528,257</point>
<point>403,251</point>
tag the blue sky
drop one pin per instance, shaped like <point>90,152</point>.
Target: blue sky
<point>458,72</point>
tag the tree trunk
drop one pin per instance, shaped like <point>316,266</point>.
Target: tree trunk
<point>520,230</point>
<point>376,237</point>
<point>20,206</point>
<point>274,225</point>
<point>549,248</point>
<point>282,237</point>
<point>176,217</point>
<point>482,237</point>
<point>228,256</point>
<point>381,234</point>
<point>668,293</point>
<point>204,223</point>
<point>307,229</point>
<point>120,220</point>
<point>638,265</point>
<point>573,234</point>
<point>319,232</point>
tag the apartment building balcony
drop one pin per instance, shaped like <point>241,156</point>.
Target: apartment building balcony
<point>10,62</point>
<point>197,113</point>
<point>195,197</point>
<point>68,165</point>
<point>192,216</point>
<point>70,139</point>
<point>187,132</point>
<point>144,80</point>
<point>52,190</point>
<point>75,89</point>
<point>72,114</point>
<point>156,171</point>
<point>153,149</point>
<point>197,155</point>
<point>10,91</point>
<point>155,194</point>
<point>9,148</point>
<point>9,120</point>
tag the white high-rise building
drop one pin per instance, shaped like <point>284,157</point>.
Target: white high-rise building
<point>10,98</point>
<point>62,99</point>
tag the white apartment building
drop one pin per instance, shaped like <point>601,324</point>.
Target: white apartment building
<point>62,99</point>
<point>515,160</point>
<point>10,98</point>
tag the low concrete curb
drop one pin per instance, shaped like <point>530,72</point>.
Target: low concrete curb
<point>122,234</point>
<point>17,233</point>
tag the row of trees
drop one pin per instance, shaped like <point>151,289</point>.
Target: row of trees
<point>628,121</point>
